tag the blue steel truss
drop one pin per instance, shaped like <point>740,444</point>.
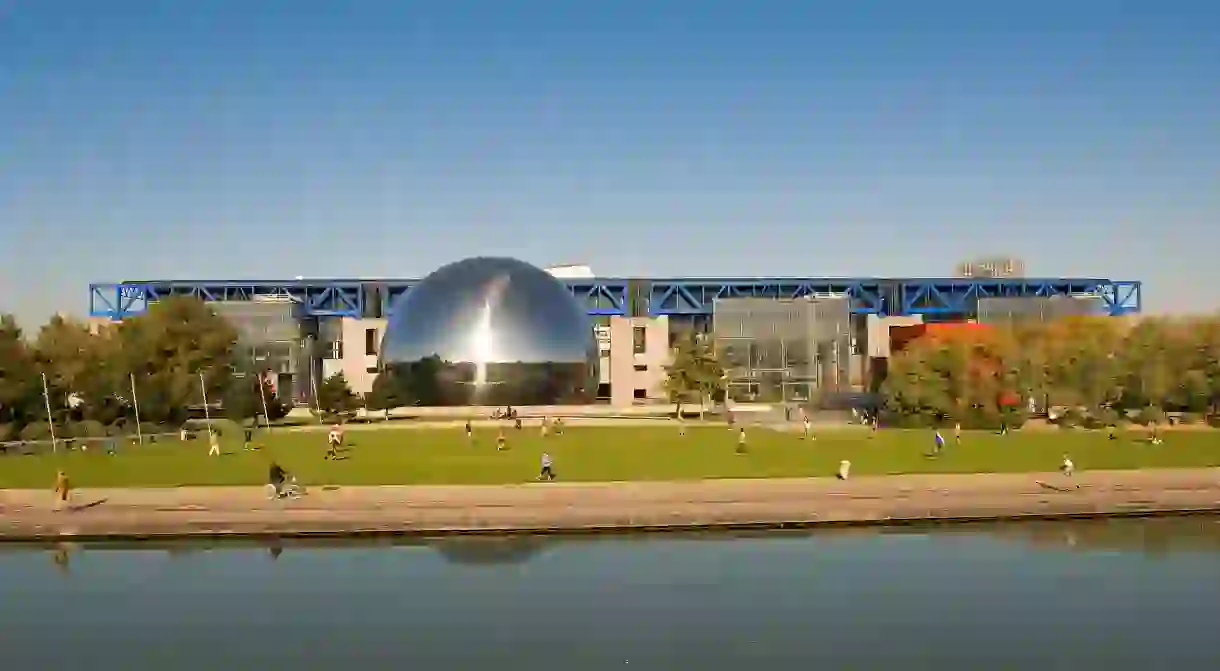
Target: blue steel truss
<point>605,296</point>
<point>314,298</point>
<point>884,296</point>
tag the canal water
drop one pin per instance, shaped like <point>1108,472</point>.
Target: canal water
<point>1132,594</point>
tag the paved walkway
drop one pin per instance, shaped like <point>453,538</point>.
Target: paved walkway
<point>579,506</point>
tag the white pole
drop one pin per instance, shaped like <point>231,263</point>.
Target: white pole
<point>135,401</point>
<point>313,384</point>
<point>46,396</point>
<point>207,413</point>
<point>262,395</point>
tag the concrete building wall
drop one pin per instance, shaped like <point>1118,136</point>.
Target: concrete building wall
<point>361,344</point>
<point>639,350</point>
<point>877,337</point>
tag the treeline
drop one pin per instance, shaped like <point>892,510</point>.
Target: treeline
<point>1080,371</point>
<point>163,361</point>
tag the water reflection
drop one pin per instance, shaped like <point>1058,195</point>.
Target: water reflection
<point>1152,537</point>
<point>1018,596</point>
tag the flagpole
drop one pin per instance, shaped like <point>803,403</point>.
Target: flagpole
<point>262,395</point>
<point>135,401</point>
<point>46,396</point>
<point>207,413</point>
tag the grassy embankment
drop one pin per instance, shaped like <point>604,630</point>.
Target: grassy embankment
<point>443,456</point>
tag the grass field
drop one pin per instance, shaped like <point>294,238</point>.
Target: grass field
<point>443,456</point>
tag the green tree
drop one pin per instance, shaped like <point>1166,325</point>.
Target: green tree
<point>168,347</point>
<point>386,394</point>
<point>335,396</point>
<point>20,390</point>
<point>694,372</point>
<point>85,380</point>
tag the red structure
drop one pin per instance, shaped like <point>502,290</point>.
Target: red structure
<point>901,336</point>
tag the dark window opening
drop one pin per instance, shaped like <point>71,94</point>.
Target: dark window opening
<point>370,341</point>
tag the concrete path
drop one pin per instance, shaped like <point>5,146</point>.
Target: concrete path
<point>559,506</point>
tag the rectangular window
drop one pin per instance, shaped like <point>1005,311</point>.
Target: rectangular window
<point>370,342</point>
<point>371,369</point>
<point>639,341</point>
<point>641,394</point>
<point>641,368</point>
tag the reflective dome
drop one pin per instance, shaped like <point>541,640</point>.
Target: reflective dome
<point>490,331</point>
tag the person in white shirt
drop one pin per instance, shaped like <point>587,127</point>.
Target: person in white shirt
<point>548,470</point>
<point>214,443</point>
<point>844,469</point>
<point>808,428</point>
<point>741,441</point>
<point>1068,468</point>
<point>333,440</point>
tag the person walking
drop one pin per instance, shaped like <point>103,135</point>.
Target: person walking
<point>247,437</point>
<point>1067,467</point>
<point>741,441</point>
<point>844,470</point>
<point>938,444</point>
<point>469,432</point>
<point>213,443</point>
<point>547,473</point>
<point>333,440</point>
<point>807,428</point>
<point>957,433</point>
<point>63,489</point>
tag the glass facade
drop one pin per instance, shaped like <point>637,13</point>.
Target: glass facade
<point>784,351</point>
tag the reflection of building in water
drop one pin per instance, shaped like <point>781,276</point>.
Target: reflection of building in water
<point>1153,536</point>
<point>490,550</point>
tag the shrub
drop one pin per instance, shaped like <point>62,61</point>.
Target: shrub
<point>1149,415</point>
<point>86,429</point>
<point>7,432</point>
<point>1071,418</point>
<point>36,431</point>
<point>1189,418</point>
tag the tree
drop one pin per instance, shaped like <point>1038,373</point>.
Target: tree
<point>335,395</point>
<point>85,381</point>
<point>168,347</point>
<point>386,394</point>
<point>19,390</point>
<point>694,372</point>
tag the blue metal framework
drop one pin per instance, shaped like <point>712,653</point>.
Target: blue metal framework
<point>608,296</point>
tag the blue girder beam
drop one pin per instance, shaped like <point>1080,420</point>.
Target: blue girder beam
<point>315,298</point>
<point>960,296</point>
<point>608,296</point>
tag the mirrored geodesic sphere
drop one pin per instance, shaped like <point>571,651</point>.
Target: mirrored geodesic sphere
<point>490,331</point>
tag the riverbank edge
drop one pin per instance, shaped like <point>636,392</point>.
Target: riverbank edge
<point>608,508</point>
<point>287,532</point>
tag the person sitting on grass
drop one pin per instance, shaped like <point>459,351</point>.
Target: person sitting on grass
<point>276,477</point>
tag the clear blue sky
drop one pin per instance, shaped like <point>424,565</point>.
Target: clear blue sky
<point>269,138</point>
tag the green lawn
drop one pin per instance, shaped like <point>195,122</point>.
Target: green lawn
<point>443,456</point>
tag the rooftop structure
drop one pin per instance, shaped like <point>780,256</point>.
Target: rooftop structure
<point>606,296</point>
